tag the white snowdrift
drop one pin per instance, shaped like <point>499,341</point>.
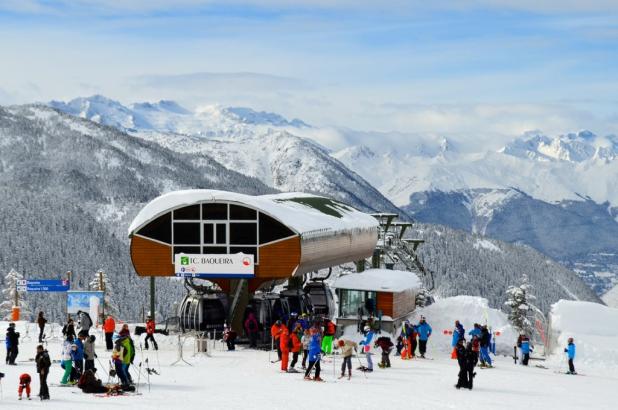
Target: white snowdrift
<point>594,328</point>
<point>468,310</point>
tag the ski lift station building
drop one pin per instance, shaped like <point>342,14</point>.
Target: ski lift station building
<point>388,293</point>
<point>288,234</point>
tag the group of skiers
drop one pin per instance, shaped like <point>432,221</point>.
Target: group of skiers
<point>412,336</point>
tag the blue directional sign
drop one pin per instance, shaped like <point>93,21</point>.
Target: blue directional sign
<point>43,285</point>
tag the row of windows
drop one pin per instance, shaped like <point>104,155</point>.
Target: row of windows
<point>215,212</point>
<point>249,250</point>
<point>239,233</point>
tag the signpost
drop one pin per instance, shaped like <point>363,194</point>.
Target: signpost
<point>235,266</point>
<point>43,285</point>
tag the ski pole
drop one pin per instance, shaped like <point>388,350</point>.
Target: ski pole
<point>361,364</point>
<point>272,346</point>
<point>139,376</point>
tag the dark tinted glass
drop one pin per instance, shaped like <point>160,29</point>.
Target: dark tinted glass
<point>188,212</point>
<point>209,235</point>
<point>159,229</point>
<point>214,249</point>
<point>214,211</point>
<point>240,213</point>
<point>271,230</point>
<point>186,249</point>
<point>186,233</point>
<point>243,233</point>
<point>221,234</point>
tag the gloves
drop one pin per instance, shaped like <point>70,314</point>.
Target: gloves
<point>565,350</point>
<point>95,356</point>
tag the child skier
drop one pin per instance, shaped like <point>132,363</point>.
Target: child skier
<point>24,384</point>
<point>315,350</point>
<point>348,348</point>
<point>367,349</point>
<point>386,345</point>
<point>570,351</point>
<point>525,350</point>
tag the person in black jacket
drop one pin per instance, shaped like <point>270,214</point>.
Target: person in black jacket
<point>69,329</point>
<point>41,321</point>
<point>13,340</point>
<point>43,363</point>
<point>472,358</point>
<point>462,360</point>
<point>89,383</point>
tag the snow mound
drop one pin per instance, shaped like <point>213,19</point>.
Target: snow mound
<point>441,315</point>
<point>593,327</point>
<point>611,297</point>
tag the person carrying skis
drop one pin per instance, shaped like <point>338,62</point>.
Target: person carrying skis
<point>89,354</point>
<point>366,343</point>
<point>348,348</point>
<point>67,360</point>
<point>12,338</point>
<point>315,352</point>
<point>43,363</point>
<point>384,343</point>
<point>485,338</point>
<point>424,332</point>
<point>305,340</point>
<point>275,333</point>
<point>40,320</point>
<point>109,327</point>
<point>570,351</point>
<point>407,332</point>
<point>295,345</point>
<point>329,332</point>
<point>252,328</point>
<point>24,384</point>
<point>525,350</point>
<point>150,331</point>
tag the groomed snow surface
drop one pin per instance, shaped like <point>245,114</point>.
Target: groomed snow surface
<point>246,379</point>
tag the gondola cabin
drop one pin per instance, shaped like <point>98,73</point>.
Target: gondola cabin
<point>387,295</point>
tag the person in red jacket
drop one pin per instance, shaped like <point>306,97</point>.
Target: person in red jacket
<point>150,330</point>
<point>296,345</point>
<point>275,332</point>
<point>284,340</point>
<point>109,327</point>
<point>252,328</point>
<point>24,384</point>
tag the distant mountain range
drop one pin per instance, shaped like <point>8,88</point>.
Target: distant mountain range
<point>557,194</point>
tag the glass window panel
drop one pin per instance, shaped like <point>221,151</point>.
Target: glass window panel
<point>159,229</point>
<point>214,211</point>
<point>221,234</point>
<point>186,249</point>
<point>186,233</point>
<point>243,233</point>
<point>209,233</point>
<point>215,250</point>
<point>241,213</point>
<point>271,229</point>
<point>188,213</point>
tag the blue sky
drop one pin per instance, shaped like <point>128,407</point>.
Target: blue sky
<point>497,67</point>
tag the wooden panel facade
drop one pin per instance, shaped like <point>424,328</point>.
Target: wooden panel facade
<point>385,303</point>
<point>151,258</point>
<point>404,303</point>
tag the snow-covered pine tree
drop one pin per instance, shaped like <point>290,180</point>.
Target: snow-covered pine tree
<point>522,311</point>
<point>101,283</point>
<point>421,297</point>
<point>9,296</point>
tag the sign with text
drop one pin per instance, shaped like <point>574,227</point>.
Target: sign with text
<point>237,265</point>
<point>43,285</point>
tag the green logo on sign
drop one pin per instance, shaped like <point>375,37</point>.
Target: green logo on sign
<point>184,260</point>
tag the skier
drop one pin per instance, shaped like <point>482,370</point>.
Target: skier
<point>459,329</point>
<point>109,327</point>
<point>150,330</point>
<point>476,331</point>
<point>12,338</point>
<point>127,351</point>
<point>485,338</point>
<point>296,345</point>
<point>66,360</point>
<point>329,332</point>
<point>304,321</point>
<point>386,345</point>
<point>460,351</point>
<point>407,331</point>
<point>305,340</point>
<point>41,322</point>
<point>252,328</point>
<point>284,340</point>
<point>89,354</point>
<point>43,363</point>
<point>119,367</point>
<point>367,349</point>
<point>229,337</point>
<point>570,351</point>
<point>77,355</point>
<point>24,384</point>
<point>348,348</point>
<point>69,329</point>
<point>275,332</point>
<point>525,350</point>
<point>315,350</point>
<point>424,332</point>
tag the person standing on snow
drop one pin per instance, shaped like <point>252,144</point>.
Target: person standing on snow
<point>348,348</point>
<point>305,340</point>
<point>460,353</point>
<point>485,338</point>
<point>407,331</point>
<point>284,340</point>
<point>570,351</point>
<point>85,323</point>
<point>12,343</point>
<point>366,343</point>
<point>43,363</point>
<point>424,332</point>
<point>296,345</point>
<point>252,328</point>
<point>89,354</point>
<point>67,360</point>
<point>150,330</point>
<point>315,352</point>
<point>471,360</point>
<point>109,327</point>
<point>40,320</point>
<point>329,333</point>
<point>386,345</point>
<point>69,329</point>
<point>525,350</point>
<point>275,333</point>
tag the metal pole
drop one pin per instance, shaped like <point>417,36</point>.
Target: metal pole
<point>102,288</point>
<point>69,277</point>
<point>152,297</point>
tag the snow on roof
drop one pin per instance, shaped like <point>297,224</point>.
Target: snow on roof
<point>379,280</point>
<point>303,213</point>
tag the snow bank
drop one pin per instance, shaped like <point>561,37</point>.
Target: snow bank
<point>441,315</point>
<point>594,328</point>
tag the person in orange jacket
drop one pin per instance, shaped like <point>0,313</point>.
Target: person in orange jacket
<point>275,332</point>
<point>150,330</point>
<point>109,327</point>
<point>284,340</point>
<point>296,345</point>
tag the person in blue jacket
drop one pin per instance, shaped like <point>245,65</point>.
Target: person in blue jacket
<point>315,352</point>
<point>424,331</point>
<point>525,350</point>
<point>367,348</point>
<point>77,355</point>
<point>459,333</point>
<point>476,331</point>
<point>485,341</point>
<point>570,351</point>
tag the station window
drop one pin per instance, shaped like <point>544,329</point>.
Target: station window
<point>186,249</point>
<point>241,213</point>
<point>353,302</point>
<point>160,229</point>
<point>272,230</point>
<point>243,233</point>
<point>214,211</point>
<point>188,213</point>
<point>186,233</point>
<point>214,250</point>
